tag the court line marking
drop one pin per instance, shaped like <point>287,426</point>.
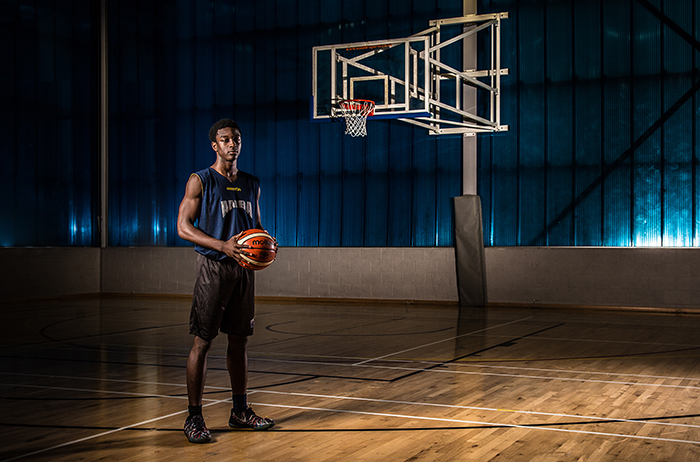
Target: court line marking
<point>378,414</point>
<point>443,371</point>
<point>473,422</point>
<point>361,363</point>
<point>574,371</point>
<point>402,361</point>
<point>100,379</point>
<point>520,376</point>
<point>481,366</point>
<point>110,392</point>
<point>354,398</point>
<point>109,432</point>
<point>476,408</point>
<point>402,416</point>
<point>619,342</point>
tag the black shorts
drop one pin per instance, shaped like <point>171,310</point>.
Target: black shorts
<point>223,299</point>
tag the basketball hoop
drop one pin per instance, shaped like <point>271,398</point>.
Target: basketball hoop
<point>355,112</point>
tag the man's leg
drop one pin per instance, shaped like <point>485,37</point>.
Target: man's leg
<point>237,363</point>
<point>242,415</point>
<point>195,428</point>
<point>197,370</point>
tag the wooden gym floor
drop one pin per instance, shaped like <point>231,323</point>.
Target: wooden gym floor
<point>104,379</point>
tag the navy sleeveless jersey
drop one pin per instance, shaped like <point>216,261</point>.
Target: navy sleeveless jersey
<point>227,207</point>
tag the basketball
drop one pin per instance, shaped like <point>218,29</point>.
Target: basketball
<point>259,249</point>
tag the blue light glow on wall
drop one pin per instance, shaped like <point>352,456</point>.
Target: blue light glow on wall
<point>251,61</point>
<point>48,122</point>
<point>602,101</point>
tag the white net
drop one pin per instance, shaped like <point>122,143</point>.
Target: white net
<point>355,112</point>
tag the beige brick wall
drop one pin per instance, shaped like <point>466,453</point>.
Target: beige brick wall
<point>148,270</point>
<point>298,272</point>
<point>49,272</point>
<point>421,274</point>
<point>607,276</point>
<point>600,276</point>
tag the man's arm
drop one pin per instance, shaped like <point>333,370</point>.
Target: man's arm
<point>189,212</point>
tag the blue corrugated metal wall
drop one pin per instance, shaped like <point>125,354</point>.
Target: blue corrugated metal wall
<point>176,70</point>
<point>48,132</point>
<point>602,102</point>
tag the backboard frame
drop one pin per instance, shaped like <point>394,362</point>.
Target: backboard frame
<point>348,57</point>
<point>413,65</point>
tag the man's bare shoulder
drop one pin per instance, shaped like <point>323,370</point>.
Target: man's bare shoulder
<point>194,186</point>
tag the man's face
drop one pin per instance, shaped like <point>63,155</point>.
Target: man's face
<point>227,144</point>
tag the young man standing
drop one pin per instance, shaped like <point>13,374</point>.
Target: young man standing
<point>226,201</point>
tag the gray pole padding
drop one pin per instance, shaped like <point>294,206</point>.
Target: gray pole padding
<point>469,251</point>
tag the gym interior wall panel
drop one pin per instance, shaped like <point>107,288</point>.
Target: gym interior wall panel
<point>224,86</point>
<point>122,78</point>
<point>330,173</point>
<point>376,25</point>
<point>587,125</point>
<point>206,67</point>
<point>308,185</point>
<point>24,195</point>
<point>677,134</point>
<point>498,154</point>
<point>176,67</point>
<point>260,154</point>
<point>126,197</point>
<point>424,200</point>
<point>83,87</point>
<point>308,160</point>
<point>677,180</point>
<point>319,187</point>
<point>286,164</point>
<point>177,171</point>
<point>399,18</point>
<point>8,114</point>
<point>181,140</point>
<point>647,100</point>
<point>49,100</point>
<point>151,210</point>
<point>123,181</point>
<point>532,116</point>
<point>613,180</point>
<point>46,85</point>
<point>613,142</point>
<point>448,154</point>
<point>695,211</point>
<point>353,192</point>
<point>694,101</point>
<point>330,189</point>
<point>244,84</point>
<point>400,179</point>
<point>290,58</point>
<point>377,188</point>
<point>600,100</point>
<point>559,119</point>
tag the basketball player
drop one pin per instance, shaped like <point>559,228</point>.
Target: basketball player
<point>225,200</point>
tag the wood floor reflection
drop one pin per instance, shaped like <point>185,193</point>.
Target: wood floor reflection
<point>104,379</point>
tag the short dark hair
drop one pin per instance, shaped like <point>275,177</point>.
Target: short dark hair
<point>223,123</point>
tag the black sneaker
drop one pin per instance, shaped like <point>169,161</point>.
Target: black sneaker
<point>248,419</point>
<point>196,431</point>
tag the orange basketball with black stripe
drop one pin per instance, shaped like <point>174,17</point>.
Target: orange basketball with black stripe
<point>259,249</point>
